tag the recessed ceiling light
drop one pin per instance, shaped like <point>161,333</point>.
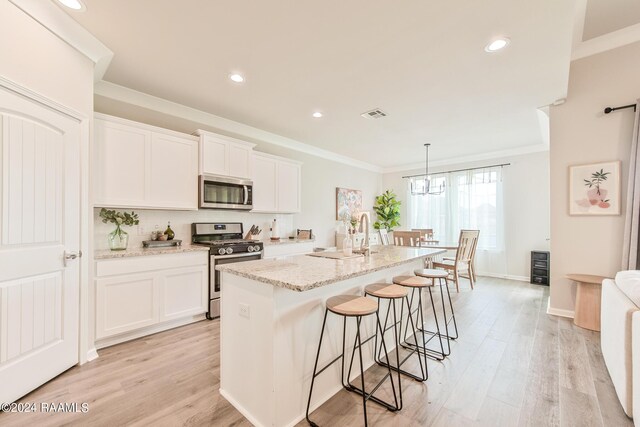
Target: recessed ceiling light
<point>236,78</point>
<point>497,44</point>
<point>317,114</point>
<point>73,4</point>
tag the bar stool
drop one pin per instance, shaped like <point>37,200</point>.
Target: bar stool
<point>393,293</point>
<point>358,307</point>
<point>434,274</point>
<point>417,284</point>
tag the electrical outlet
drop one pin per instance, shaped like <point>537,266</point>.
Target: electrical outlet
<point>141,230</point>
<point>245,311</point>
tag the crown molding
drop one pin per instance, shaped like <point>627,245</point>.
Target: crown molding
<point>140,99</point>
<point>605,42</point>
<point>519,151</point>
<point>54,19</point>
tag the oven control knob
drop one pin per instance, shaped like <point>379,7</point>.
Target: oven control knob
<point>256,248</point>
<point>250,248</point>
<point>221,251</point>
<point>229,251</point>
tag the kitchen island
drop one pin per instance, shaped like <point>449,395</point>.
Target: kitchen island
<point>271,315</point>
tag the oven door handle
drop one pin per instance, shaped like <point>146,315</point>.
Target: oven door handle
<point>241,255</point>
<point>246,194</point>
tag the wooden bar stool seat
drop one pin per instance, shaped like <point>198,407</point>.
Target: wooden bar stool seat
<point>431,273</point>
<point>412,281</point>
<point>351,305</point>
<point>385,290</point>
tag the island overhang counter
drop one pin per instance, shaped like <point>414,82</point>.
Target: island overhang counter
<point>271,315</point>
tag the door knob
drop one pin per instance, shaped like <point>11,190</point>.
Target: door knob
<point>70,256</point>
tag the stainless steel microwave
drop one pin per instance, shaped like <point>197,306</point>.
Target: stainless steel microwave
<point>223,192</point>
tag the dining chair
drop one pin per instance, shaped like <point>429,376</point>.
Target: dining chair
<point>463,261</point>
<point>426,236</point>
<point>384,237</point>
<point>406,238</point>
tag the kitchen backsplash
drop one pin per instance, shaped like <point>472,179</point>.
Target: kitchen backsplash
<point>181,224</point>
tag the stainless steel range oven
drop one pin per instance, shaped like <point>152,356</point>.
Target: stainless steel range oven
<point>226,246</point>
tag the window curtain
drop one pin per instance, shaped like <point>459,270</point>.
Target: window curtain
<point>630,252</point>
<point>471,200</point>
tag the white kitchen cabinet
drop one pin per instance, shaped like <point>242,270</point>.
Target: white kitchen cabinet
<point>141,166</point>
<point>284,248</point>
<point>223,155</point>
<point>276,184</point>
<point>265,178</point>
<point>137,296</point>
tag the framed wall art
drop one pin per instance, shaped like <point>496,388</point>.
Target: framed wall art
<point>594,189</point>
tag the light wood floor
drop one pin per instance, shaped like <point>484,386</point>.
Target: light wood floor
<point>513,365</point>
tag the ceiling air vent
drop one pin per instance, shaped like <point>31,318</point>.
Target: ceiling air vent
<point>374,114</point>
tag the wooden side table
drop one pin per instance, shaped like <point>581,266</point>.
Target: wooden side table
<point>588,294</point>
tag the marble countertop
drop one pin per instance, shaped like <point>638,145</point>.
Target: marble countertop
<point>286,241</point>
<point>302,273</point>
<point>139,251</point>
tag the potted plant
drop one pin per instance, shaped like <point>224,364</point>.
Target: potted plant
<point>387,209</point>
<point>118,238</point>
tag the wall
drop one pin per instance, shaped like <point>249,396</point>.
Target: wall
<point>320,177</point>
<point>581,133</point>
<point>526,211</point>
<point>35,58</point>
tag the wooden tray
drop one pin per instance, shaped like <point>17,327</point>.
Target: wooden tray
<point>161,243</point>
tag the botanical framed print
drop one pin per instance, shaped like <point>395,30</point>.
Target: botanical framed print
<point>348,203</point>
<point>594,189</point>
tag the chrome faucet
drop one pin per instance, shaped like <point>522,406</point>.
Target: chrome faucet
<point>364,245</point>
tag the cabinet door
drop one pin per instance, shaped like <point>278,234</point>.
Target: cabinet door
<point>288,187</point>
<point>184,292</point>
<point>173,179</point>
<point>239,161</point>
<point>215,156</point>
<point>125,303</point>
<point>264,184</point>
<point>121,164</point>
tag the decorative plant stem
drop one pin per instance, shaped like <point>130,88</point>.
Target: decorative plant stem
<point>597,178</point>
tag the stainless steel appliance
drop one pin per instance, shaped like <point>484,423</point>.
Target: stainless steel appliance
<point>223,192</point>
<point>226,246</point>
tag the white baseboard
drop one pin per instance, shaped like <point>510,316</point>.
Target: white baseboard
<point>139,333</point>
<point>92,354</point>
<point>239,407</point>
<point>558,311</point>
<point>505,276</point>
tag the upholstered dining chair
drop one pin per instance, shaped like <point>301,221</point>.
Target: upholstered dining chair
<point>463,261</point>
<point>406,238</point>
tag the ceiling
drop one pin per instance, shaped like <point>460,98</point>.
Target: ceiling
<point>421,62</point>
<point>605,16</point>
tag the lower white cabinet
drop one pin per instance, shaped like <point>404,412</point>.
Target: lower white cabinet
<point>137,296</point>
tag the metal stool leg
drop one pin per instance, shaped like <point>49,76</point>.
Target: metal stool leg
<point>315,368</point>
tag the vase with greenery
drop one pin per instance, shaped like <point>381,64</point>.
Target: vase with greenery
<point>118,238</point>
<point>387,208</point>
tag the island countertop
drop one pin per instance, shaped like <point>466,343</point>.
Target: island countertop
<point>302,272</point>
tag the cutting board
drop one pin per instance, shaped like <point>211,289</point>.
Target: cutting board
<point>334,255</point>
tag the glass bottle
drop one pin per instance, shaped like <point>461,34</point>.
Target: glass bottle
<point>347,245</point>
<point>169,232</point>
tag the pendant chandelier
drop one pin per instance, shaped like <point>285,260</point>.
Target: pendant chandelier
<point>422,186</point>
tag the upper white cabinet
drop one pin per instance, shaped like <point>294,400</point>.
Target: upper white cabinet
<point>223,155</point>
<point>141,166</point>
<point>276,184</point>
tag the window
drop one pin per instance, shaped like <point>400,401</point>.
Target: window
<point>471,200</point>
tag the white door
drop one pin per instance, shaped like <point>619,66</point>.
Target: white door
<point>40,220</point>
